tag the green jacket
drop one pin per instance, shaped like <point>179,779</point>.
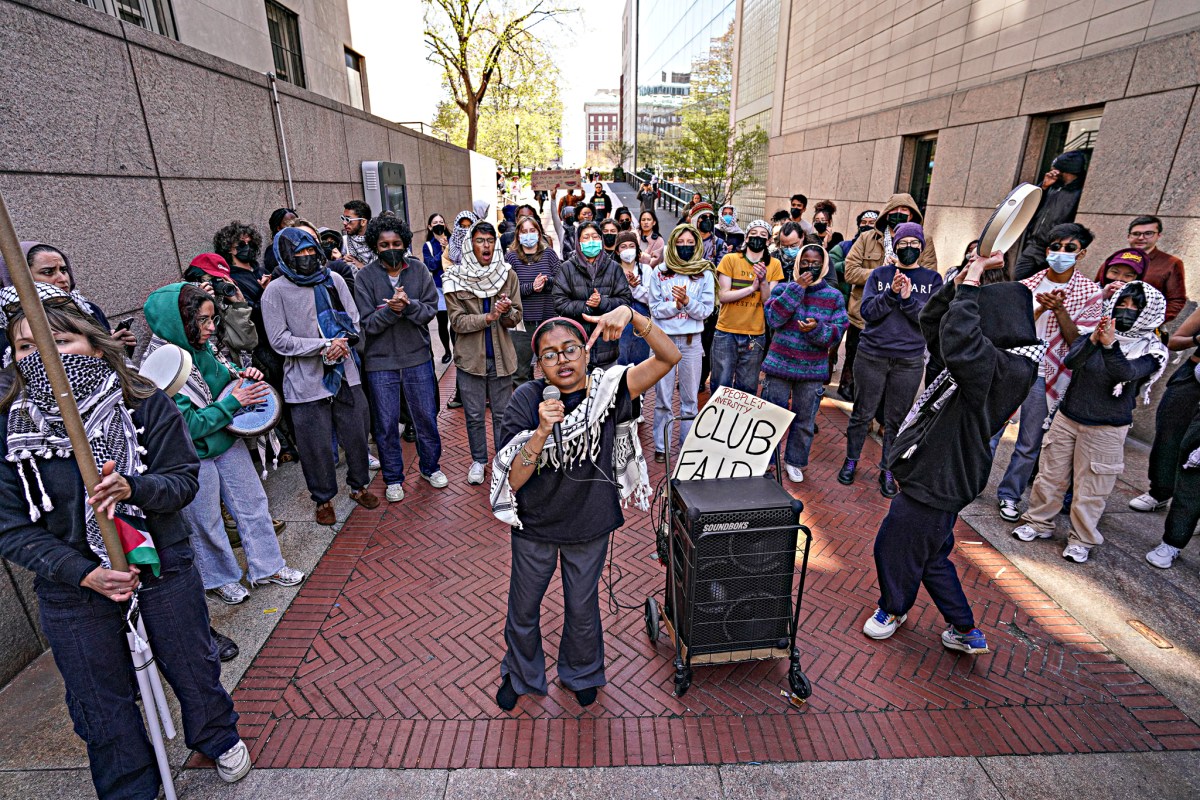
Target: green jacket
<point>205,424</point>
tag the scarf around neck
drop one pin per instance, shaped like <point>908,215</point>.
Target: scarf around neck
<point>458,234</point>
<point>581,439</point>
<point>697,264</point>
<point>1084,302</point>
<point>468,275</point>
<point>36,430</point>
<point>1142,339</point>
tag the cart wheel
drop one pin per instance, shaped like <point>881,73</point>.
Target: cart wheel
<point>683,680</point>
<point>652,619</point>
<point>799,683</point>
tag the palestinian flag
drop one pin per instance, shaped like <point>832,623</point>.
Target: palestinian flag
<point>136,542</point>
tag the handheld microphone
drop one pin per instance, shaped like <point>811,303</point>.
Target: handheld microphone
<point>552,393</point>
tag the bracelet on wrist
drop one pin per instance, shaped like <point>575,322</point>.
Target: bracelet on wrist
<point>645,331</point>
<point>528,459</point>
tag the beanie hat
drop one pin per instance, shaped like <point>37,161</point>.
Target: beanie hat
<point>211,264</point>
<point>699,209</point>
<point>1072,161</point>
<point>906,229</point>
<point>626,236</point>
<point>1131,257</point>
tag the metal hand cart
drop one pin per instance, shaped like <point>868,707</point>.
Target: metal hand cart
<point>730,556</point>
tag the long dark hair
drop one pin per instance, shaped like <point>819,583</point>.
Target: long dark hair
<point>191,299</point>
<point>429,225</point>
<point>654,217</point>
<point>134,387</point>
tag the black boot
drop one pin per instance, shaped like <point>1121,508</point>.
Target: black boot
<point>845,475</point>
<point>506,697</point>
<point>227,649</point>
<point>585,697</point>
<point>887,484</point>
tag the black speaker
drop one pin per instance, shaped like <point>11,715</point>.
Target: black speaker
<point>734,543</point>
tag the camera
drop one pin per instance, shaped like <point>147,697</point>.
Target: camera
<point>226,290</point>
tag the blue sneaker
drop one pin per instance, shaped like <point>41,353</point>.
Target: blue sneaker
<point>973,642</point>
<point>881,625</point>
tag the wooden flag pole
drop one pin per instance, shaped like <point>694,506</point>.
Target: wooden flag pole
<point>39,326</point>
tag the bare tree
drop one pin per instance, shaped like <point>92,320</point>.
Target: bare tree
<point>469,40</point>
<point>619,150</point>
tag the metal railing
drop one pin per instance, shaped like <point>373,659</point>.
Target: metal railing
<point>672,196</point>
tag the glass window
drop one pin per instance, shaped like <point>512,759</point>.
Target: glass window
<point>922,174</point>
<point>153,15</point>
<point>355,79</point>
<point>284,29</point>
<point>1077,131</point>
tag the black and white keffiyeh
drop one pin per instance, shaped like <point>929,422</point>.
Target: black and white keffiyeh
<point>468,275</point>
<point>1142,339</point>
<point>36,430</point>
<point>581,441</point>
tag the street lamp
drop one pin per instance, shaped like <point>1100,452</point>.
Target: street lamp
<point>518,120</point>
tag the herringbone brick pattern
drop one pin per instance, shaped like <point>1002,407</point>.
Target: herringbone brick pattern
<point>389,656</point>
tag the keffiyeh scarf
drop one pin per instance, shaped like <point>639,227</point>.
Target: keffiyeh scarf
<point>1141,339</point>
<point>581,441</point>
<point>458,235</point>
<point>1083,303</point>
<point>468,275</point>
<point>36,430</point>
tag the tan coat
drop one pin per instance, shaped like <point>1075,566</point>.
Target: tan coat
<point>868,253</point>
<point>468,320</point>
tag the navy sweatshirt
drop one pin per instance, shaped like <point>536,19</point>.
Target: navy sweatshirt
<point>55,547</point>
<point>1095,372</point>
<point>893,328</point>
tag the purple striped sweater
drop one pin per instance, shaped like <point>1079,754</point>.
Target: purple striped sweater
<point>796,355</point>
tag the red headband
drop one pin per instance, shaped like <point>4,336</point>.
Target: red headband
<point>538,330</point>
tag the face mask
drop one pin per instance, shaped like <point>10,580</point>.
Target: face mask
<point>245,253</point>
<point>814,270</point>
<point>705,225</point>
<point>529,239</point>
<point>756,244</point>
<point>591,249</point>
<point>306,265</point>
<point>393,258</point>
<point>797,213</point>
<point>685,251</point>
<point>628,254</point>
<point>625,224</point>
<point>790,253</point>
<point>610,240</point>
<point>438,230</point>
<point>908,255</point>
<point>865,228</point>
<point>1060,262</point>
<point>896,218</point>
<point>727,219</point>
<point>328,247</point>
<point>820,227</point>
<point>1123,318</point>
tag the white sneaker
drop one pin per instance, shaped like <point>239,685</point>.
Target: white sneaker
<point>1009,511</point>
<point>795,474</point>
<point>234,763</point>
<point>372,462</point>
<point>395,492</point>
<point>1075,552</point>
<point>475,476</point>
<point>1163,556</point>
<point>1146,502</point>
<point>286,576</point>
<point>1027,533</point>
<point>231,593</point>
<point>881,625</point>
<point>437,480</point>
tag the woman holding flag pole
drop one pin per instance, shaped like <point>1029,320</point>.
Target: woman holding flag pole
<point>53,526</point>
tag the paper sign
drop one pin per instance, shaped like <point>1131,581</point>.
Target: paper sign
<point>544,179</point>
<point>733,436</point>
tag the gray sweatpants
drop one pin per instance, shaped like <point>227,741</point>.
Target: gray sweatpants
<point>581,651</point>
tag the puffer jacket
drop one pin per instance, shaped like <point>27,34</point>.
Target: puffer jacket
<point>867,253</point>
<point>574,286</point>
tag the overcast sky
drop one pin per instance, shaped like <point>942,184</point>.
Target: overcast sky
<point>405,86</point>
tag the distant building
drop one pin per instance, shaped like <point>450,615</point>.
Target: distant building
<point>601,113</point>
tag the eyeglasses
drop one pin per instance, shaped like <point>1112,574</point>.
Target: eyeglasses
<point>1142,234</point>
<point>1070,247</point>
<point>569,353</point>
<point>348,220</point>
<point>215,319</point>
<point>484,242</point>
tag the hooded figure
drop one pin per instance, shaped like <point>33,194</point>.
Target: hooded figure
<point>727,228</point>
<point>1058,205</point>
<point>874,247</point>
<point>454,250</point>
<point>30,250</point>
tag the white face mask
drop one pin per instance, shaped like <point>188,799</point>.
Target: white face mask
<point>1060,261</point>
<point>628,254</point>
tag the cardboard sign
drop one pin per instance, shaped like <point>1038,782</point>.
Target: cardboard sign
<point>544,179</point>
<point>733,436</point>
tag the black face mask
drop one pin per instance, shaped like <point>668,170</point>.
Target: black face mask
<point>328,247</point>
<point>706,224</point>
<point>306,265</point>
<point>1124,318</point>
<point>393,258</point>
<point>244,253</point>
<point>609,239</point>
<point>685,251</point>
<point>815,271</point>
<point>797,213</point>
<point>820,227</point>
<point>756,244</point>
<point>865,228</point>
<point>438,230</point>
<point>896,218</point>
<point>625,224</point>
<point>908,255</point>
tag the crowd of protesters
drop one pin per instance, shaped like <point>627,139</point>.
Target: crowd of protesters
<point>338,326</point>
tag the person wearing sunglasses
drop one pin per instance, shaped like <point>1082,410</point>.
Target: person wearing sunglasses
<point>355,251</point>
<point>564,469</point>
<point>1066,305</point>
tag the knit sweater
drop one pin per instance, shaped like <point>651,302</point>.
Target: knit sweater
<point>794,354</point>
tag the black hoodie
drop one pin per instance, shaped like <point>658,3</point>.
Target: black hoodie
<point>945,464</point>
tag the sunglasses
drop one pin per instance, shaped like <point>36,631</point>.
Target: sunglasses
<point>1069,247</point>
<point>348,220</point>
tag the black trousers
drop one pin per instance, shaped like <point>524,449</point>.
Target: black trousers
<point>1185,504</point>
<point>1171,421</point>
<point>316,422</point>
<point>706,339</point>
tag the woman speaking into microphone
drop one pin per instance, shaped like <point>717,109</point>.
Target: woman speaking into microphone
<point>568,460</point>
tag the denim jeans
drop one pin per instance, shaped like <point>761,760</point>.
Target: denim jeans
<point>802,398</point>
<point>475,391</point>
<point>231,478</point>
<point>417,385</point>
<point>634,349</point>
<point>86,635</point>
<point>1029,444</point>
<point>890,381</point>
<point>736,359</point>
<point>687,373</point>
<point>316,422</point>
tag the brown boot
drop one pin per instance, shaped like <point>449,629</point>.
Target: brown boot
<point>365,498</point>
<point>325,515</point>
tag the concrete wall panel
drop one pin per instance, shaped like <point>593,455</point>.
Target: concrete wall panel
<point>823,181</point>
<point>951,228</point>
<point>1181,197</point>
<point>993,101</point>
<point>199,208</point>
<point>1171,64</point>
<point>884,165</point>
<point>854,171</point>
<point>1082,83</point>
<point>316,140</point>
<point>365,141</point>
<point>952,165</point>
<point>994,161</point>
<point>20,640</point>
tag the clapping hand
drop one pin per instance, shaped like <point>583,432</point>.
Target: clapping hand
<point>539,282</point>
<point>681,296</point>
<point>594,300</point>
<point>503,304</point>
<point>337,350</point>
<point>1105,333</point>
<point>398,301</point>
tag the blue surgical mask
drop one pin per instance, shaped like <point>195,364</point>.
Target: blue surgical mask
<point>529,239</point>
<point>1061,261</point>
<point>791,252</point>
<point>727,219</point>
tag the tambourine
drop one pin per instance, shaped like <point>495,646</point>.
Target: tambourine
<point>257,419</point>
<point>1008,222</point>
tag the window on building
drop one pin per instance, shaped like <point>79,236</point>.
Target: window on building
<point>1074,131</point>
<point>153,15</point>
<point>356,80</point>
<point>284,29</point>
<point>922,171</point>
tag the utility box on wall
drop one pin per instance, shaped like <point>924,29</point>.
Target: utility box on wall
<point>385,188</point>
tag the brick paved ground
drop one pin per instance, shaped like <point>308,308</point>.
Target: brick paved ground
<point>389,656</point>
